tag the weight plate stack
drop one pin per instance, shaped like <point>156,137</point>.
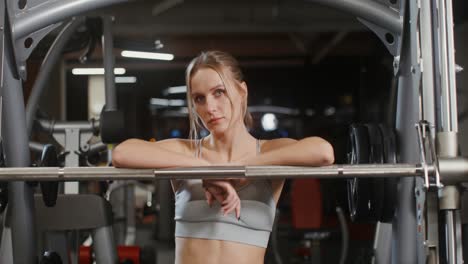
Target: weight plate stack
<point>377,192</point>
<point>358,189</point>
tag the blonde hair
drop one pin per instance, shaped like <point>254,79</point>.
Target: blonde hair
<point>227,68</point>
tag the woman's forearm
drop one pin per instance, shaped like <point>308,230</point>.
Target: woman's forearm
<point>312,151</point>
<point>135,153</point>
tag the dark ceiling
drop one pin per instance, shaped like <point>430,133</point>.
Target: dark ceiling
<point>257,30</point>
<point>294,53</point>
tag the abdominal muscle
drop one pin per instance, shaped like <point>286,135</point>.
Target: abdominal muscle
<point>207,251</point>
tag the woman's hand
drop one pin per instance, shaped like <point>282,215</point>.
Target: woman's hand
<point>237,182</point>
<point>223,192</point>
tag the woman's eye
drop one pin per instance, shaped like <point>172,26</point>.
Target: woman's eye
<point>198,99</point>
<point>219,92</point>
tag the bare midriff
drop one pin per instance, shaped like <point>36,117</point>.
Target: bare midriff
<point>207,251</point>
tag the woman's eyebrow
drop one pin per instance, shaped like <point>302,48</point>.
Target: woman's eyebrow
<point>216,87</point>
<point>211,89</point>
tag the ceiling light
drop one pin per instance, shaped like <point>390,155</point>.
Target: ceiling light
<point>125,79</point>
<point>329,111</point>
<point>175,90</point>
<point>167,102</point>
<point>95,71</point>
<point>269,122</point>
<point>147,55</point>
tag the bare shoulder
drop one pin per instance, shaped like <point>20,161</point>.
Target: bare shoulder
<point>272,144</point>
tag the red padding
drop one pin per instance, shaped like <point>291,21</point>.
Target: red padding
<point>306,204</point>
<point>129,253</point>
<point>85,255</point>
<point>124,253</point>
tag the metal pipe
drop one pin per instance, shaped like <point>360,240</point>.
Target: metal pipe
<point>36,146</point>
<point>453,170</point>
<point>372,11</point>
<point>50,60</point>
<point>16,150</point>
<point>451,66</point>
<point>344,235</point>
<point>51,12</point>
<point>83,126</point>
<point>109,63</point>
<point>427,87</point>
<point>444,71</point>
<point>436,63</point>
<point>214,172</point>
<point>451,255</point>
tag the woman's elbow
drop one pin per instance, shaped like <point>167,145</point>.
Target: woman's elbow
<point>328,153</point>
<point>117,157</point>
<point>323,151</point>
<point>119,153</point>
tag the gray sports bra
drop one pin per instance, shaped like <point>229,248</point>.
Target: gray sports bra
<point>195,219</point>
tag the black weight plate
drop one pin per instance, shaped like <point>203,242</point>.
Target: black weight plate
<point>378,184</point>
<point>391,184</point>
<point>358,189</point>
<point>49,189</point>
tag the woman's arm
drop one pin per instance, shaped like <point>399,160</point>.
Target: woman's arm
<point>311,151</point>
<point>136,153</point>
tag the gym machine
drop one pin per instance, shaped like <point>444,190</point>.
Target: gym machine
<point>419,34</point>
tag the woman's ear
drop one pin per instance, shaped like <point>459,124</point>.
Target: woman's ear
<point>243,89</point>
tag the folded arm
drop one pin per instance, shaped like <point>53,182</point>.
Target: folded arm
<point>136,153</point>
<point>311,151</point>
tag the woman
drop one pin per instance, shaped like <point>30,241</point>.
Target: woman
<point>211,225</point>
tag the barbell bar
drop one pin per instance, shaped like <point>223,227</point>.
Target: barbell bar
<point>452,170</point>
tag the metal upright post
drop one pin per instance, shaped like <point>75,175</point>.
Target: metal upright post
<point>109,64</point>
<point>447,138</point>
<point>20,195</point>
<point>407,115</point>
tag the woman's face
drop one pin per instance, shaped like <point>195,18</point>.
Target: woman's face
<point>211,102</point>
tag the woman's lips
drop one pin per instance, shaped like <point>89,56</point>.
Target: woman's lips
<point>214,120</point>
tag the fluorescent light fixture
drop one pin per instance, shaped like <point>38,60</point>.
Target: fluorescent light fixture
<point>147,55</point>
<point>177,89</point>
<point>167,102</point>
<point>95,71</point>
<point>125,79</point>
<point>273,109</point>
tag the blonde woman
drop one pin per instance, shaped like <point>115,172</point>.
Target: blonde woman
<point>222,221</point>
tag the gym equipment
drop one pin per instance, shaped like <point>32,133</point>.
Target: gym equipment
<point>371,200</point>
<point>51,258</point>
<point>61,218</point>
<point>3,185</point>
<point>126,254</point>
<point>49,190</point>
<point>390,184</point>
<point>428,33</point>
<point>359,189</point>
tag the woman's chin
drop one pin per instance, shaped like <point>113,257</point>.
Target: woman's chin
<point>217,130</point>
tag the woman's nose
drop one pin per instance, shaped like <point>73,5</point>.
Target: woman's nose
<point>210,105</point>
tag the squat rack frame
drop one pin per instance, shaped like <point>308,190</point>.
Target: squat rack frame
<point>423,62</point>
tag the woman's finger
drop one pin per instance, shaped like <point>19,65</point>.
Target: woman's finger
<point>238,210</point>
<point>209,197</point>
<point>230,207</point>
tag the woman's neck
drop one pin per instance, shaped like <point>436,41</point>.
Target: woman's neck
<point>232,144</point>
